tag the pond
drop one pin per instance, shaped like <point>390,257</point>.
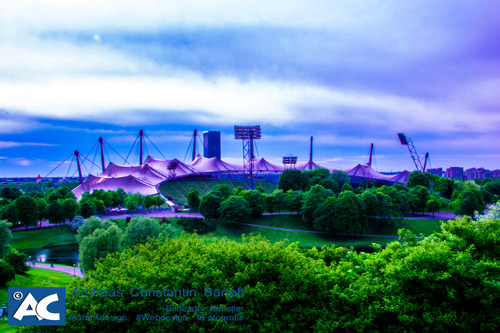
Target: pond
<point>63,254</point>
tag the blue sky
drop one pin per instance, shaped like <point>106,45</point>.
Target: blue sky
<point>348,73</point>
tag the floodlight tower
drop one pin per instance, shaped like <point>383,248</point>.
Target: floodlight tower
<point>195,134</point>
<point>406,141</point>
<point>247,134</point>
<point>289,162</point>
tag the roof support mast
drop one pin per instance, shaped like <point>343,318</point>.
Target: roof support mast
<point>311,151</point>
<point>101,142</point>
<point>194,143</point>
<point>369,164</point>
<point>77,154</point>
<point>406,141</point>
<point>141,134</point>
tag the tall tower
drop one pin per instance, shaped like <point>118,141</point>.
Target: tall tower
<point>211,144</point>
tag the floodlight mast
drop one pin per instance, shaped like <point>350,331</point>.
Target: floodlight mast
<point>247,134</point>
<point>406,141</point>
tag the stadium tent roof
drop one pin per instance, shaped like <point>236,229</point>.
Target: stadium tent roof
<point>261,165</point>
<point>401,177</point>
<point>365,171</point>
<point>142,172</point>
<point>203,164</point>
<point>162,166</point>
<point>128,184</point>
<point>310,165</point>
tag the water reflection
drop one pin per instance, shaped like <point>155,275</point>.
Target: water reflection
<point>64,254</point>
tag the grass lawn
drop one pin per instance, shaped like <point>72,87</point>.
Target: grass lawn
<point>44,237</point>
<point>35,277</point>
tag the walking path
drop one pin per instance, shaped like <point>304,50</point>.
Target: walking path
<point>65,269</point>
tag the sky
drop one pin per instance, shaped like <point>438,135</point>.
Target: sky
<point>348,73</point>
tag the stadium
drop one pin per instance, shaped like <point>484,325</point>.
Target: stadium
<point>173,179</point>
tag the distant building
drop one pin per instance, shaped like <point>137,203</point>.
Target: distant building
<point>455,173</point>
<point>211,144</point>
<point>437,171</point>
<point>481,173</point>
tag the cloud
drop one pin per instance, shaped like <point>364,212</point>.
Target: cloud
<point>12,144</point>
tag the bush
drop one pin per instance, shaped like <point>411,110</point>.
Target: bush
<point>192,224</point>
<point>6,273</point>
<point>77,222</point>
<point>17,260</point>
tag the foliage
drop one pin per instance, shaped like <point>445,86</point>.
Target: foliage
<point>418,178</point>
<point>6,273</point>
<point>256,200</point>
<point>276,201</point>
<point>292,179</point>
<point>55,213</point>
<point>140,229</point>
<point>77,222</point>
<point>5,236</point>
<point>235,208</point>
<point>312,200</point>
<point>87,209</point>
<point>28,210</point>
<point>294,200</point>
<point>278,283</point>
<point>99,244</point>
<point>10,193</point>
<point>469,201</point>
<point>421,195</point>
<point>225,190</point>
<point>91,224</point>
<point>17,260</point>
<point>193,198</point>
<point>346,187</point>
<point>192,224</point>
<point>345,214</point>
<point>340,177</point>
<point>70,208</point>
<point>209,205</point>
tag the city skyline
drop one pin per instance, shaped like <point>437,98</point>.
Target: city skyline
<point>347,74</point>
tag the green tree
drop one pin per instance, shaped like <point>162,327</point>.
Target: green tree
<point>99,244</point>
<point>346,187</point>
<point>132,203</point>
<point>235,208</point>
<point>418,178</point>
<point>55,213</point>
<point>372,206</point>
<point>17,260</point>
<point>140,229</point>
<point>70,208</point>
<point>292,179</point>
<point>5,236</point>
<point>11,213</point>
<point>209,205</point>
<point>225,190</point>
<point>148,201</point>
<point>468,202</point>
<point>87,209</point>
<point>294,200</point>
<point>256,200</point>
<point>433,205</point>
<point>345,214</point>
<point>422,195</point>
<point>43,208</point>
<point>158,201</point>
<point>340,177</point>
<point>277,281</point>
<point>193,198</point>
<point>28,210</point>
<point>91,224</point>
<point>11,193</point>
<point>312,200</point>
<point>278,200</point>
<point>6,273</point>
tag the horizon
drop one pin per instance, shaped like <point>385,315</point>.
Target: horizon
<point>348,74</point>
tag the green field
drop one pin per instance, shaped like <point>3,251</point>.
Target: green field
<point>35,277</point>
<point>44,237</point>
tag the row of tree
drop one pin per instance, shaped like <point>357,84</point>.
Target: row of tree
<point>445,282</point>
<point>328,203</point>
